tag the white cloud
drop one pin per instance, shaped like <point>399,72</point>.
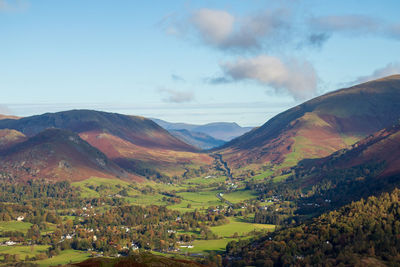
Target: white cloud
<point>293,76</point>
<point>214,26</point>
<point>390,69</point>
<point>176,96</point>
<point>226,31</point>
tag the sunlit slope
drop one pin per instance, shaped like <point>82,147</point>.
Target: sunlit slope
<point>320,126</point>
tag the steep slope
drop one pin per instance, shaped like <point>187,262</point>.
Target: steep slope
<point>9,138</point>
<point>363,233</point>
<point>370,166</point>
<point>56,154</point>
<point>2,117</point>
<point>135,143</point>
<point>199,140</point>
<point>380,147</point>
<point>225,131</point>
<point>320,126</point>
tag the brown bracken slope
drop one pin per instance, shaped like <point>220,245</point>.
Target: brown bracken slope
<point>55,155</point>
<point>133,142</point>
<point>320,126</point>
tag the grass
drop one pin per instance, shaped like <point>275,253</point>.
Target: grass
<point>197,200</point>
<point>204,181</point>
<point>23,251</point>
<point>113,186</point>
<point>262,175</point>
<point>65,257</point>
<point>239,196</point>
<point>281,178</point>
<point>206,246</point>
<point>240,226</point>
<point>146,199</point>
<point>14,226</point>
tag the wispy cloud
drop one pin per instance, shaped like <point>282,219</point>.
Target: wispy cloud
<point>176,96</point>
<point>177,78</point>
<point>390,69</point>
<point>355,25</point>
<point>293,76</point>
<point>13,5</point>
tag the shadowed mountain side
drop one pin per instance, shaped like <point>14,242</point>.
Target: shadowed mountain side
<point>320,126</point>
<point>58,155</point>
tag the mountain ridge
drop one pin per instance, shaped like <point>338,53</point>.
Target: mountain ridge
<point>320,126</point>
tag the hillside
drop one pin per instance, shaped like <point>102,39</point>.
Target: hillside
<point>9,138</point>
<point>138,260</point>
<point>56,154</point>
<point>225,131</point>
<point>368,167</point>
<point>2,117</point>
<point>135,143</point>
<point>319,126</point>
<point>364,233</point>
<point>197,139</point>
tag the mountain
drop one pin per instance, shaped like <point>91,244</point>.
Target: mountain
<point>319,126</point>
<point>197,139</point>
<point>135,143</point>
<point>369,167</point>
<point>380,147</point>
<point>2,117</point>
<point>225,131</point>
<point>9,138</point>
<point>137,130</point>
<point>56,154</point>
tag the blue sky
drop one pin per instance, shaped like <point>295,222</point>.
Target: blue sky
<point>190,61</point>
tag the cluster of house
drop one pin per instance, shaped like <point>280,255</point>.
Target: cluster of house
<point>9,243</point>
<point>184,245</point>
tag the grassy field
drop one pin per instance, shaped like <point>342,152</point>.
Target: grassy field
<point>205,181</point>
<point>23,251</point>
<point>206,246</point>
<point>15,226</point>
<point>146,199</point>
<point>197,200</point>
<point>65,257</point>
<point>262,175</point>
<point>237,225</point>
<point>112,186</point>
<point>239,196</point>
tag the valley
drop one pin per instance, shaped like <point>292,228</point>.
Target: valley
<point>88,186</point>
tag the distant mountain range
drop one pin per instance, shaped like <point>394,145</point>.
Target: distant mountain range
<point>318,127</point>
<point>204,136</point>
<point>197,139</point>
